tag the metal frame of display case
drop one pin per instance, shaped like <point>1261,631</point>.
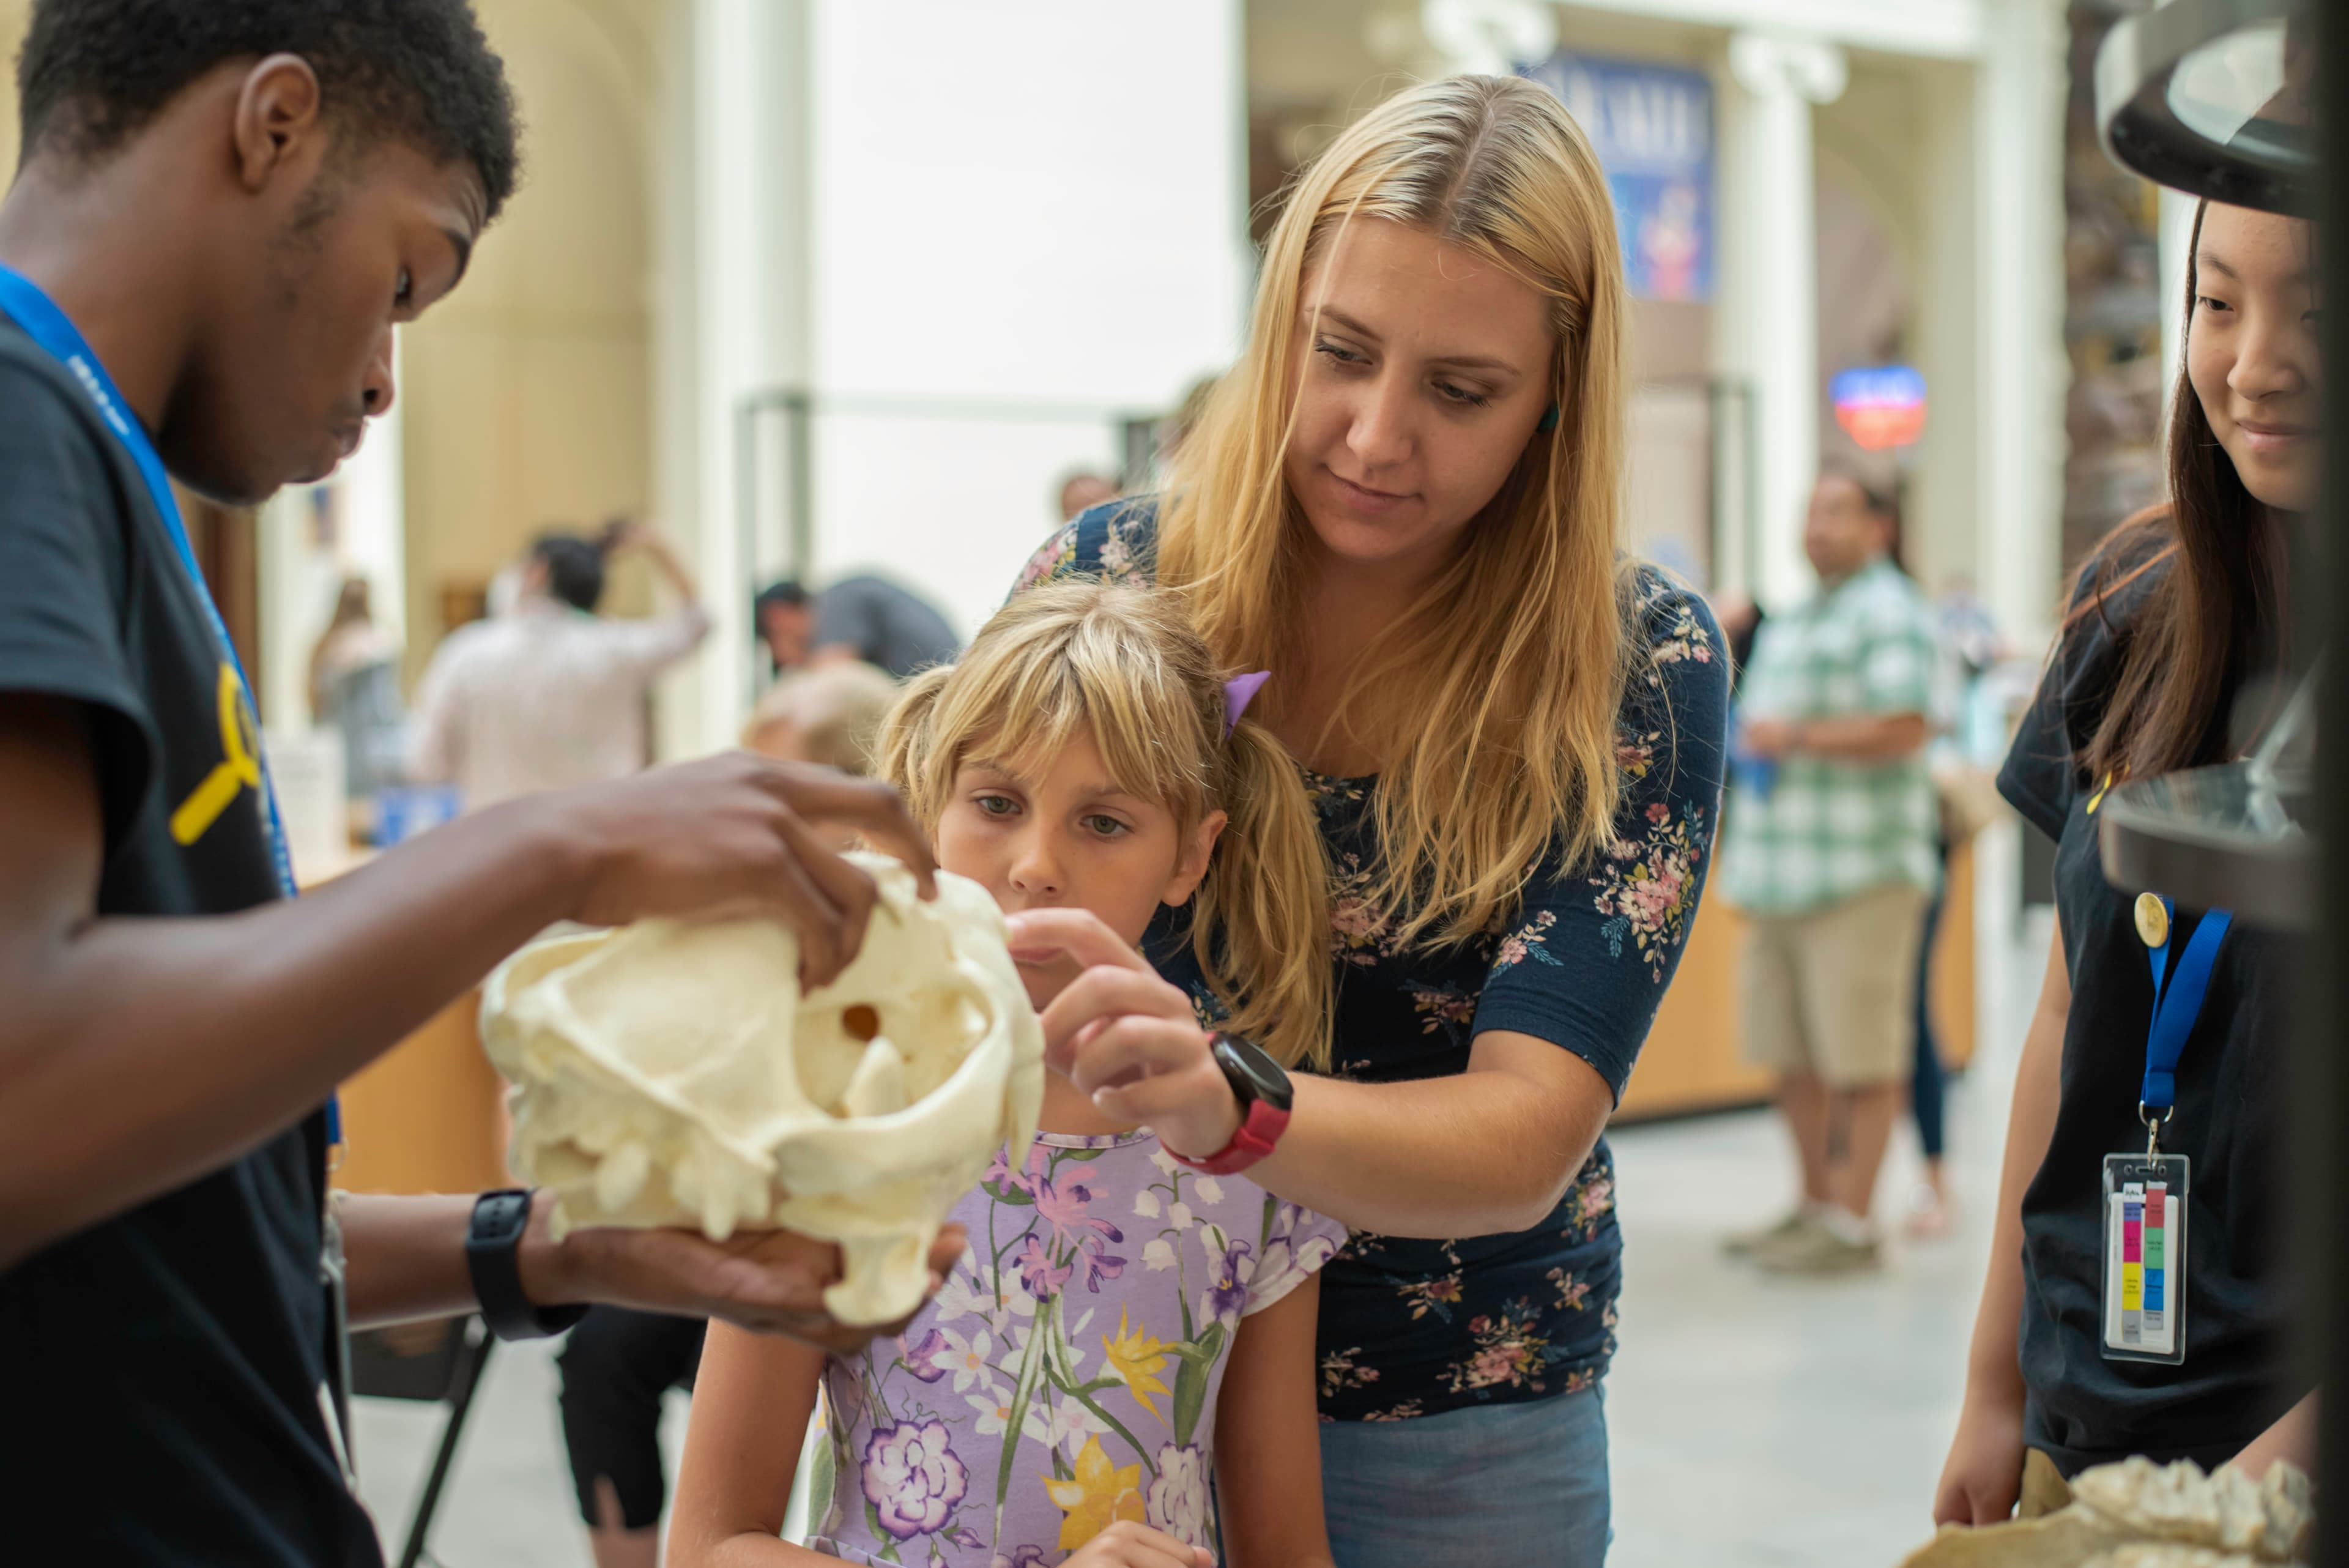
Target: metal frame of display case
<point>2266,166</point>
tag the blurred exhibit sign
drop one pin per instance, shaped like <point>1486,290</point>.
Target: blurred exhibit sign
<point>1880,406</point>
<point>1651,127</point>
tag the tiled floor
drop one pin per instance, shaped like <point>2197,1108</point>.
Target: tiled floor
<point>1757,1422</point>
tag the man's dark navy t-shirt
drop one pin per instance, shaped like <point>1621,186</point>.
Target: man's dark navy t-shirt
<point>162,1371</point>
<point>2080,1408</point>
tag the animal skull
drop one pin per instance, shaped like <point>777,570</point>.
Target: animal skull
<point>672,1074</point>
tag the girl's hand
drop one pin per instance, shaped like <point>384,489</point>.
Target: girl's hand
<point>1129,1546</point>
<point>1127,1038</point>
<point>1984,1475</point>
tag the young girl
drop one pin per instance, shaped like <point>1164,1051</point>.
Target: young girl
<point>1123,1330</point>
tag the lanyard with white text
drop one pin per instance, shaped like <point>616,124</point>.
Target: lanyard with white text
<point>50,327</point>
<point>23,302</point>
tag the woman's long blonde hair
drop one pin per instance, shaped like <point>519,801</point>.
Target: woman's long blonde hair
<point>1123,665</point>
<point>1492,704</point>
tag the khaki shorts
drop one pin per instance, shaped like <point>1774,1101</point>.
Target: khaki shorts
<point>1833,991</point>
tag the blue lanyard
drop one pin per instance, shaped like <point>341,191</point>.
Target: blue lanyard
<point>37,314</point>
<point>2177,1003</point>
<point>22,301</point>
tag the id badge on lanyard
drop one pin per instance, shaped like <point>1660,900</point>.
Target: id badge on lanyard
<point>2146,1194</point>
<point>24,303</point>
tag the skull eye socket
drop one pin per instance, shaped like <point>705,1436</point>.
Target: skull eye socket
<point>861,1022</point>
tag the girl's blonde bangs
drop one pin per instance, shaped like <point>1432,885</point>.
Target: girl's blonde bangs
<point>1021,702</point>
<point>1125,667</point>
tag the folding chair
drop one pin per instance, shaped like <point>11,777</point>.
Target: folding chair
<point>436,1363</point>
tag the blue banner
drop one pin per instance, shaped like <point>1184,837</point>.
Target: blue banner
<point>1651,127</point>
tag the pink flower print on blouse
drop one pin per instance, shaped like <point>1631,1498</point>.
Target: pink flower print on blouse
<point>923,1360</point>
<point>1005,1180</point>
<point>1061,1199</point>
<point>1039,1275</point>
<point>912,1477</point>
<point>1097,1265</point>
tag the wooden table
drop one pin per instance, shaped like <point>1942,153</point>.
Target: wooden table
<point>427,1115</point>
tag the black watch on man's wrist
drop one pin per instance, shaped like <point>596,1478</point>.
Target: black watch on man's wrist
<point>499,1218</point>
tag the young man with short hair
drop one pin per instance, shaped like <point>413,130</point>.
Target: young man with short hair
<point>225,210</point>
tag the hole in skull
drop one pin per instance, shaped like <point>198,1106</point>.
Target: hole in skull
<point>861,1022</point>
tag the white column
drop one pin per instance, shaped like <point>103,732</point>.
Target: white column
<point>2025,372</point>
<point>732,306</point>
<point>1783,77</point>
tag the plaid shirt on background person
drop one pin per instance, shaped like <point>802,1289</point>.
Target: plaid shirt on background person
<point>1824,830</point>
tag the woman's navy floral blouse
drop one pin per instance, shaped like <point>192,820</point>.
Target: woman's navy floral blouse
<point>1418,1327</point>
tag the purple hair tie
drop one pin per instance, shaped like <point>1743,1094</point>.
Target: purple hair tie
<point>1238,692</point>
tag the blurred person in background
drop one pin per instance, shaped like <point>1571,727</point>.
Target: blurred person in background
<point>865,618</point>
<point>1831,850</point>
<point>552,694</point>
<point>827,715</point>
<point>354,689</point>
<point>619,1365</point>
<point>1081,490</point>
<point>2181,610</point>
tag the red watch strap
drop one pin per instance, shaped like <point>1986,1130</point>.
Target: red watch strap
<point>1259,1131</point>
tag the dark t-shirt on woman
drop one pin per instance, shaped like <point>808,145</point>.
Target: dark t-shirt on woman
<point>1419,1327</point>
<point>2081,1408</point>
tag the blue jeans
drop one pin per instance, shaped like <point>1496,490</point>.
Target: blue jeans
<point>1494,1486</point>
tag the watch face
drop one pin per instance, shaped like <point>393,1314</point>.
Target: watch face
<point>1254,1074</point>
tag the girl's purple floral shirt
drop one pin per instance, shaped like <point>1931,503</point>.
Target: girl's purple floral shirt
<point>1066,1376</point>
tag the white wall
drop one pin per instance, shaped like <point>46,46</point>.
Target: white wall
<point>1039,200</point>
<point>909,209</point>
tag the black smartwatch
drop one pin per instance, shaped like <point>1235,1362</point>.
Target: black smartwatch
<point>1261,1087</point>
<point>499,1218</point>
<point>1253,1076</point>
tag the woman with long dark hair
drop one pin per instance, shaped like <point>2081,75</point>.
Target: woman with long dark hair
<point>2180,615</point>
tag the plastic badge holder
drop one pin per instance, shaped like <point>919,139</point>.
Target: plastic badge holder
<point>2145,1257</point>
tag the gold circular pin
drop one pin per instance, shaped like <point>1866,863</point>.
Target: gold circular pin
<point>2152,919</point>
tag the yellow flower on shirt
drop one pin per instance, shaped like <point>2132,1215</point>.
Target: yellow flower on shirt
<point>1099,1496</point>
<point>1138,1357</point>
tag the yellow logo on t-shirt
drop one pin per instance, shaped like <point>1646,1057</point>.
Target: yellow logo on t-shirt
<point>2097,799</point>
<point>240,767</point>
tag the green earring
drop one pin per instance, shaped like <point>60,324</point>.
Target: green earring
<point>1548,419</point>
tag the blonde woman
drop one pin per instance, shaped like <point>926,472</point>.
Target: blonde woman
<point>1403,502</point>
